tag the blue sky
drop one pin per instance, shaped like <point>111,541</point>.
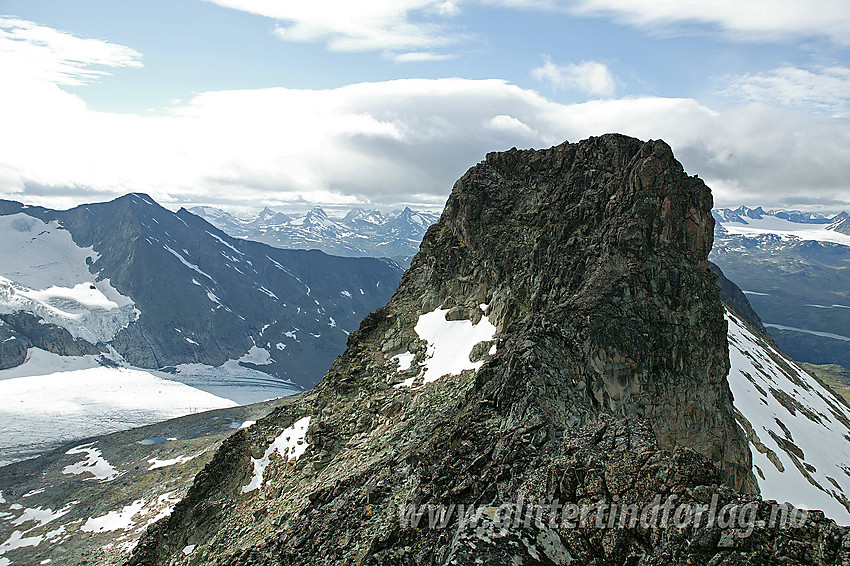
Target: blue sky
<point>245,103</point>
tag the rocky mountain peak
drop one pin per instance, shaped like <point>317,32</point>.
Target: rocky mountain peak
<point>748,212</point>
<point>559,324</point>
<point>597,250</point>
<point>317,212</point>
<point>840,223</point>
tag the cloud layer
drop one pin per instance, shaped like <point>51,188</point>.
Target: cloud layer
<point>390,142</point>
<point>744,20</point>
<point>825,89</point>
<point>403,141</point>
<point>384,25</point>
<point>31,52</point>
<point>419,26</point>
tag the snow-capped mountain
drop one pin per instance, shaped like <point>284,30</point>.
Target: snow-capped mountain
<point>359,233</point>
<point>795,268</point>
<point>745,215</point>
<point>131,293</point>
<point>164,289</point>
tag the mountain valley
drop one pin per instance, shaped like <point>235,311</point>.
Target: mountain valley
<point>130,314</point>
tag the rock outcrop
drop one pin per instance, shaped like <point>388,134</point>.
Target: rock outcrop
<point>559,337</point>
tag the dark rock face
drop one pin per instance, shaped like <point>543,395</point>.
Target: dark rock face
<point>606,383</point>
<point>21,331</point>
<point>601,248</point>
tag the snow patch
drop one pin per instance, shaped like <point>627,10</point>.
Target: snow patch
<point>41,516</point>
<point>114,520</point>
<point>225,243</point>
<point>404,360</point>
<point>17,540</point>
<point>187,263</point>
<point>157,463</point>
<point>267,292</point>
<point>94,464</point>
<point>450,343</point>
<point>257,356</point>
<point>290,444</point>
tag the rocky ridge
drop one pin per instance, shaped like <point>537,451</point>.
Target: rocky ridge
<point>597,373</point>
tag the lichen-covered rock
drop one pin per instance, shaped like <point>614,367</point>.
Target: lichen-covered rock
<point>559,337</point>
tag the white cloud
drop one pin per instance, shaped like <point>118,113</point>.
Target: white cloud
<point>513,126</point>
<point>589,77</point>
<point>31,52</point>
<point>385,142</point>
<point>825,88</point>
<point>389,142</point>
<point>420,57</point>
<point>748,20</point>
<point>419,26</point>
<point>389,25</point>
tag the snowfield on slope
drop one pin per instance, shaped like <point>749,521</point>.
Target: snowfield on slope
<point>785,229</point>
<point>43,272</point>
<point>42,411</point>
<point>799,431</point>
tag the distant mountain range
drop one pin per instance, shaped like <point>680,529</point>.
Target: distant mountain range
<point>163,289</point>
<point>181,315</point>
<point>795,268</point>
<point>359,233</point>
<point>788,260</point>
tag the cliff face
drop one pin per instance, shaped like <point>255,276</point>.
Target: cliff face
<point>558,337</point>
<point>593,257</point>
